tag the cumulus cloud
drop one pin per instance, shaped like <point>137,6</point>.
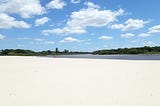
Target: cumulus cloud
<point>2,37</point>
<point>117,26</point>
<point>49,42</point>
<point>91,16</point>
<point>7,21</point>
<point>56,4</point>
<point>130,24</point>
<point>65,30</point>
<point>149,43</point>
<point>151,31</point>
<point>91,5</point>
<point>127,35</point>
<point>24,38</point>
<point>154,29</point>
<point>41,21</point>
<point>39,39</point>
<point>69,39</point>
<point>24,8</point>
<point>144,35</point>
<point>134,41</point>
<point>105,38</point>
<point>75,1</point>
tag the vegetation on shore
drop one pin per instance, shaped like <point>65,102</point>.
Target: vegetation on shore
<point>21,52</point>
<point>138,50</point>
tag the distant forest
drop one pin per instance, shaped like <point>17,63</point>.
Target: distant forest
<point>138,50</point>
<point>21,52</point>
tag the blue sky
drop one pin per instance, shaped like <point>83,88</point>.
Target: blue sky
<point>78,25</point>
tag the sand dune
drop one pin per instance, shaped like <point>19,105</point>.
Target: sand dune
<point>37,81</point>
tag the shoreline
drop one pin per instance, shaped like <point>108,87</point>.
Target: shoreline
<point>101,57</point>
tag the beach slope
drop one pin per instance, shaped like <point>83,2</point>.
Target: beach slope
<point>40,81</point>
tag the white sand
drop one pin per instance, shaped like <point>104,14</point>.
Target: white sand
<point>36,81</point>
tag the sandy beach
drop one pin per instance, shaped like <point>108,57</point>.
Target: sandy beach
<point>40,81</point>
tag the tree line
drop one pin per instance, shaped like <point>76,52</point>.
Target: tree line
<point>21,52</point>
<point>138,50</point>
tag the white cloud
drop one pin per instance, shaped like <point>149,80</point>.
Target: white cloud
<point>144,35</point>
<point>65,30</point>
<point>75,1</point>
<point>24,38</point>
<point>127,35</point>
<point>91,16</point>
<point>8,22</point>
<point>49,42</point>
<point>39,40</point>
<point>69,39</point>
<point>154,29</point>
<point>56,4</point>
<point>105,38</point>
<point>149,43</point>
<point>130,24</point>
<point>41,21</point>
<point>2,37</point>
<point>144,42</point>
<point>24,8</point>
<point>134,41</point>
<point>91,5</point>
<point>117,26</point>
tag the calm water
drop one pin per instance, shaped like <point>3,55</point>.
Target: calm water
<point>120,57</point>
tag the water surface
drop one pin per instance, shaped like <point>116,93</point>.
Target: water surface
<point>120,57</point>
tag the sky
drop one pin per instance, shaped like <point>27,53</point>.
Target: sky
<point>79,25</point>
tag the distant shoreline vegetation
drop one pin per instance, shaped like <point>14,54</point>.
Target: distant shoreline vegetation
<point>138,50</point>
<point>21,52</point>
